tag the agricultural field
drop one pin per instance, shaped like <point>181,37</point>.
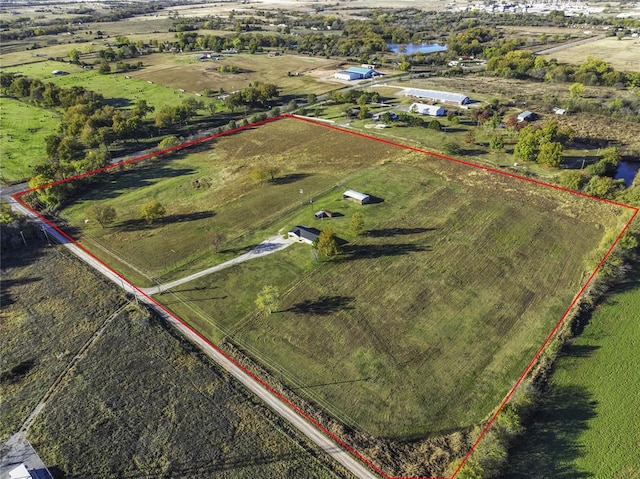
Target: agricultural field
<point>461,274</point>
<point>187,72</point>
<point>24,128</point>
<point>621,54</point>
<point>140,402</point>
<point>588,424</point>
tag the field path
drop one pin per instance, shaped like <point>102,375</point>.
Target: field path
<point>268,246</point>
<point>570,45</point>
<point>286,410</point>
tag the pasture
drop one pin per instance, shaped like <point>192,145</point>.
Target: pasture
<point>620,54</point>
<point>588,425</point>
<point>187,72</point>
<point>461,275</point>
<point>116,88</point>
<point>24,128</point>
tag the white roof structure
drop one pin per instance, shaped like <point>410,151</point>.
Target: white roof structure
<point>441,96</point>
<point>20,472</point>
<point>425,109</point>
<point>356,195</point>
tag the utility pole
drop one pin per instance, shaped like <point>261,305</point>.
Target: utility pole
<point>22,236</point>
<point>44,230</point>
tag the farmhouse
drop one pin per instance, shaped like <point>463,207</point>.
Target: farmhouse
<point>304,234</point>
<point>438,96</point>
<point>424,109</point>
<point>356,73</point>
<point>356,196</point>
<point>526,116</point>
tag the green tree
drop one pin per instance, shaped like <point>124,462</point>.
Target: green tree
<point>603,186</point>
<point>168,142</point>
<point>104,68</point>
<point>435,125</point>
<point>356,225</point>
<point>103,214</point>
<point>267,300</point>
<point>576,90</point>
<point>152,211</point>
<point>496,143</point>
<point>326,244</point>
<point>572,180</point>
<point>550,154</point>
<point>452,148</point>
<point>527,146</point>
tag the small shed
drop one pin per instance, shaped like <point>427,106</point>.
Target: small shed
<point>527,116</point>
<point>304,234</point>
<point>58,73</point>
<point>356,196</point>
<point>425,109</point>
<point>323,214</point>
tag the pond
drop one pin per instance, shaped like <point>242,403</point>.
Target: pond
<point>627,171</point>
<point>410,48</point>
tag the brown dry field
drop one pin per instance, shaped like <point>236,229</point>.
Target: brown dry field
<point>187,72</point>
<point>623,55</point>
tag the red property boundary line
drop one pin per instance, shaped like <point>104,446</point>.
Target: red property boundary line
<point>347,447</point>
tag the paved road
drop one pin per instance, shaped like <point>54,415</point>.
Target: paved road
<point>323,441</point>
<point>268,246</point>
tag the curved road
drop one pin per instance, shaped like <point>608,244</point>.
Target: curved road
<point>327,444</point>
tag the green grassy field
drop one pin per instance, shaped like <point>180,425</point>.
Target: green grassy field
<point>588,425</point>
<point>117,89</point>
<point>212,191</point>
<point>460,277</point>
<point>24,128</point>
<point>141,402</point>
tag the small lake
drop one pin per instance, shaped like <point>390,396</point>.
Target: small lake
<point>627,171</point>
<point>410,48</point>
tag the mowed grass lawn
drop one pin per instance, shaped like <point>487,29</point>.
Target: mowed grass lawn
<point>589,425</point>
<point>24,128</point>
<point>418,327</point>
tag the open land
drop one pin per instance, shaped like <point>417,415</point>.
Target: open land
<point>140,402</point>
<point>586,426</point>
<point>620,54</point>
<point>460,277</point>
<point>24,128</point>
<point>187,72</point>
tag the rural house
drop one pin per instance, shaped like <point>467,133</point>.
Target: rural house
<point>304,234</point>
<point>20,472</point>
<point>424,109</point>
<point>438,96</point>
<point>356,196</point>
<point>356,73</point>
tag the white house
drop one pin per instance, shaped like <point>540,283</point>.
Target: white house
<point>424,109</point>
<point>20,472</point>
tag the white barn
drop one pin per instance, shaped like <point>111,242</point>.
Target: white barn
<point>425,109</point>
<point>438,96</point>
<point>356,196</point>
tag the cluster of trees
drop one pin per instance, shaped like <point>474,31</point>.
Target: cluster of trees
<point>169,116</point>
<point>543,144</point>
<point>256,94</point>
<point>524,64</point>
<point>597,178</point>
